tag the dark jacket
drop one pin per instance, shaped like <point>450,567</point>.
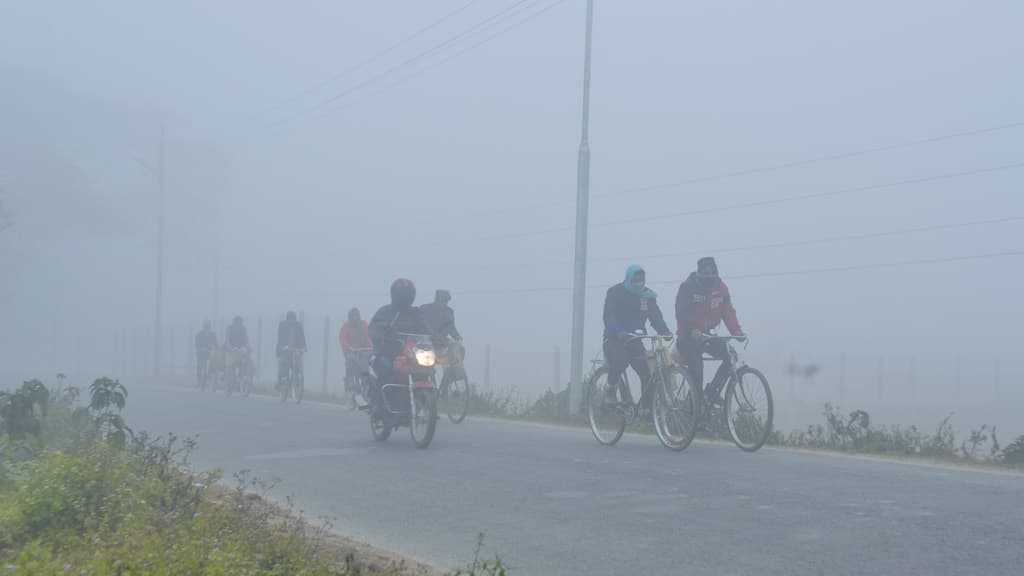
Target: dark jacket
<point>206,341</point>
<point>291,335</point>
<point>441,319</point>
<point>391,320</point>
<point>704,309</point>
<point>237,336</point>
<point>626,312</point>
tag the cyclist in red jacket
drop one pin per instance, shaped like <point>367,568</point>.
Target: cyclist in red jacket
<point>702,303</point>
<point>355,344</point>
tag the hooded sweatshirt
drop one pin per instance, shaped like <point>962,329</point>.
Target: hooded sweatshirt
<point>628,308</point>
<point>704,308</point>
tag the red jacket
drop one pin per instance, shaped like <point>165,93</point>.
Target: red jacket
<point>702,310</point>
<point>355,336</point>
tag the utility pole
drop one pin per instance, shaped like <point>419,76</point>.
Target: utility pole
<point>579,286</point>
<point>159,259</point>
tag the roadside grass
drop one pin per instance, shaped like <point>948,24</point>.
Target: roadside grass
<point>83,493</point>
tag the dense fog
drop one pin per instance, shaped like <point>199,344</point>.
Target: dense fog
<point>861,192</point>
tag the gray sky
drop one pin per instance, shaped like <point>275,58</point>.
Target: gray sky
<point>449,170</point>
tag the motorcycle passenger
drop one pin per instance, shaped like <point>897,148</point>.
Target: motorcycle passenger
<point>354,335</point>
<point>628,307</point>
<point>206,343</point>
<point>702,303</point>
<point>440,317</point>
<point>398,317</point>
<point>290,335</point>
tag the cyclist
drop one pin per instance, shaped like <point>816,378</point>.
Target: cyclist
<point>628,307</point>
<point>237,343</point>
<point>290,335</point>
<point>398,317</point>
<point>354,335</point>
<point>440,317</point>
<point>702,303</point>
<point>206,342</point>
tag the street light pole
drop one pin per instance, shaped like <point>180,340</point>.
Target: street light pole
<point>159,259</point>
<point>579,286</point>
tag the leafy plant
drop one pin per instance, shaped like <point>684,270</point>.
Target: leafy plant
<point>23,411</point>
<point>107,399</point>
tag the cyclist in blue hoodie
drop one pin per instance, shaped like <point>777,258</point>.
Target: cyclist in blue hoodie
<point>628,307</point>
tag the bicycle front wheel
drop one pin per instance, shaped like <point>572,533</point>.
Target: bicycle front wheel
<point>675,410</point>
<point>749,409</point>
<point>607,419</point>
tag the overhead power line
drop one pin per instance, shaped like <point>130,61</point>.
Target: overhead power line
<point>770,168</point>
<point>826,240</point>
<point>768,202</point>
<point>803,272</point>
<point>504,14</point>
<point>819,159</point>
<point>459,53</point>
<point>373,58</point>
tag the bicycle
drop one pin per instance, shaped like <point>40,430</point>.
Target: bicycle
<point>454,392</point>
<point>742,403</point>
<point>357,376</point>
<point>673,411</point>
<point>293,382</point>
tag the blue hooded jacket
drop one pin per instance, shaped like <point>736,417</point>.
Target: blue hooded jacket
<point>628,308</point>
<point>643,291</point>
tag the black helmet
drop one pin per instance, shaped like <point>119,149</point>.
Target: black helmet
<point>403,293</point>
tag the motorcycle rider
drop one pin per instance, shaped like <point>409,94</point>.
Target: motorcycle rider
<point>290,334</point>
<point>440,317</point>
<point>206,342</point>
<point>354,335</point>
<point>703,301</point>
<point>398,317</point>
<point>628,307</point>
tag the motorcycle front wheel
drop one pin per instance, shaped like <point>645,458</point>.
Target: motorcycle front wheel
<point>423,420</point>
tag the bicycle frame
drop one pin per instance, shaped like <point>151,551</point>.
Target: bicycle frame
<point>662,354</point>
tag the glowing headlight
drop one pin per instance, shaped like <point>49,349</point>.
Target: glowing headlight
<point>425,358</point>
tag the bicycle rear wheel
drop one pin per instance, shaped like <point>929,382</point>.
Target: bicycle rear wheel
<point>675,410</point>
<point>749,409</point>
<point>607,420</point>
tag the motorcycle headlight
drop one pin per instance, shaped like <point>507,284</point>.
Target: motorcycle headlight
<point>425,358</point>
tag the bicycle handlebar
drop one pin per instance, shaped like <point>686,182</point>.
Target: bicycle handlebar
<point>652,337</point>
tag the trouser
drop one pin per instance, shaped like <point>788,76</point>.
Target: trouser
<point>692,352</point>
<point>285,363</point>
<point>618,356</point>
<point>202,364</point>
<point>384,368</point>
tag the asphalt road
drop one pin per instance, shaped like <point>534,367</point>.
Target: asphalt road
<point>553,501</point>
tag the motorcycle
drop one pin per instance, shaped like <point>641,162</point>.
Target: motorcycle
<point>412,399</point>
